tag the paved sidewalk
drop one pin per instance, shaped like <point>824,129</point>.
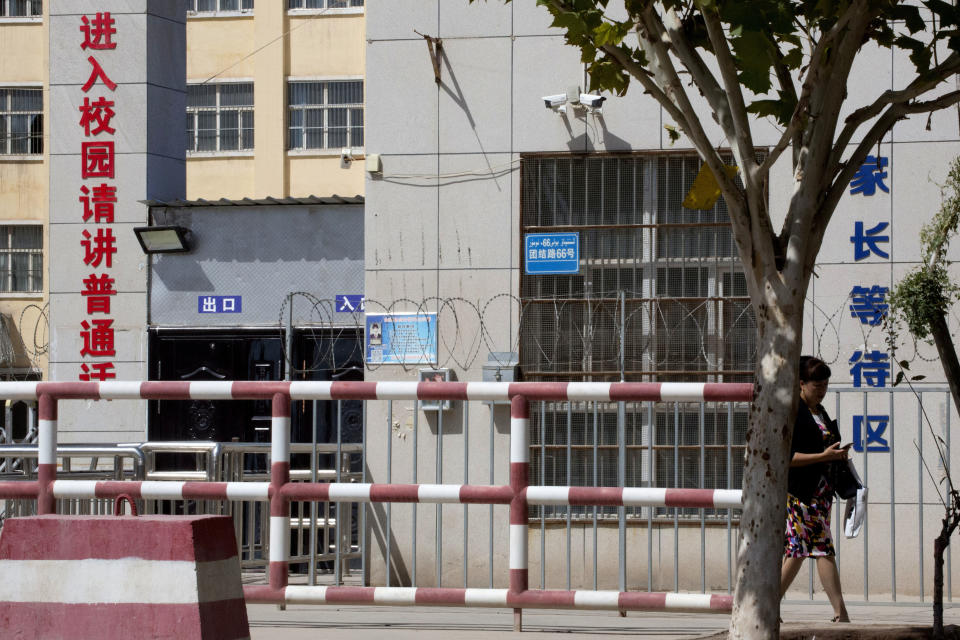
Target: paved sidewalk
<point>443,623</point>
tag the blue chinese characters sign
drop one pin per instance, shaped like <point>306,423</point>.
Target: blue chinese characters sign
<point>219,304</point>
<point>349,303</point>
<point>402,338</point>
<point>547,253</point>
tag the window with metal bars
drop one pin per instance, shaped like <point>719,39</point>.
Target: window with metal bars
<point>220,117</point>
<point>21,121</point>
<point>21,8</point>
<point>218,6</point>
<point>325,114</point>
<point>21,258</point>
<point>323,4</point>
<point>660,296</point>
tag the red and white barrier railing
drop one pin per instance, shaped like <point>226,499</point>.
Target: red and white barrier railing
<point>279,492</point>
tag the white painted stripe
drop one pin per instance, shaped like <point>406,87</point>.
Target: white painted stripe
<point>488,391</point>
<point>47,442</point>
<point>681,391</point>
<point>18,390</point>
<point>519,440</point>
<point>74,488</point>
<point>152,490</point>
<point>310,390</point>
<point>395,595</point>
<point>123,390</point>
<point>588,391</point>
<point>349,492</point>
<point>123,580</point>
<point>305,595</point>
<point>211,390</point>
<point>397,390</point>
<point>727,498</point>
<point>439,493</point>
<point>485,597</point>
<point>548,495</point>
<point>643,497</point>
<point>280,439</point>
<point>518,546</point>
<point>596,600</point>
<point>248,491</point>
<point>688,601</point>
<point>279,539</point>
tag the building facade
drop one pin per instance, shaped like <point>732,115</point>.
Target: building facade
<point>482,163</point>
<point>272,96</point>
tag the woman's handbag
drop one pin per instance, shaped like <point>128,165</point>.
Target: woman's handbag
<point>844,479</point>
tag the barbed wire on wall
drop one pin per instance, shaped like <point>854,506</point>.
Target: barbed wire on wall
<point>29,335</point>
<point>565,338</point>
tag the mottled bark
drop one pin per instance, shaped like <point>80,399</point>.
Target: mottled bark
<point>951,368</point>
<point>939,546</point>
<point>760,550</point>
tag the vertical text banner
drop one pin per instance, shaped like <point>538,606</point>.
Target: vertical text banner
<point>117,90</point>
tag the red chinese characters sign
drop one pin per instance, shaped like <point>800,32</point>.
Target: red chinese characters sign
<point>97,200</point>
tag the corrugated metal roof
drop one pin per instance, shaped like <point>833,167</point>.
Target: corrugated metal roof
<point>251,202</point>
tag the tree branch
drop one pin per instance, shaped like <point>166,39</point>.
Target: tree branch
<point>702,76</point>
<point>656,47</point>
<point>845,171</point>
<point>919,86</point>
<point>743,140</point>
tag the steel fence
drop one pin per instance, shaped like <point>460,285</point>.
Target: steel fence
<point>280,492</point>
<point>903,499</point>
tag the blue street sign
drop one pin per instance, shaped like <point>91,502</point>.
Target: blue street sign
<point>219,304</point>
<point>349,303</point>
<point>547,253</point>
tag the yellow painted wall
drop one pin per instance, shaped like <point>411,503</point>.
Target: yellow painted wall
<point>217,177</point>
<point>323,176</point>
<point>24,58</point>
<point>327,45</point>
<point>302,46</point>
<point>24,51</point>
<point>219,46</point>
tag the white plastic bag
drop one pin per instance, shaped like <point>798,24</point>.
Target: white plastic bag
<point>855,513</point>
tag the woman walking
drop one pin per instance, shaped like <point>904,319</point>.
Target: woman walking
<point>816,445</point>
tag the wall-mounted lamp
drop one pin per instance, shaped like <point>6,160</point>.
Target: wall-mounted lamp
<point>163,239</point>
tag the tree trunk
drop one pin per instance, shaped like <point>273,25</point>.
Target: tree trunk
<point>951,369</point>
<point>939,546</point>
<point>948,356</point>
<point>756,602</point>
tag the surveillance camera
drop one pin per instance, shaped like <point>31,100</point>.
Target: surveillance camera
<point>554,101</point>
<point>592,101</point>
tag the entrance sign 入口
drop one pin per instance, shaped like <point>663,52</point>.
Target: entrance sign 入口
<point>349,303</point>
<point>401,338</point>
<point>551,253</point>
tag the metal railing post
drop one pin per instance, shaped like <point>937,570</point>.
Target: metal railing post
<point>47,454</point>
<point>519,479</point>
<point>279,506</point>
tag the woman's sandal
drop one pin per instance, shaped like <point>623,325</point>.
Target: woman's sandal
<point>837,619</point>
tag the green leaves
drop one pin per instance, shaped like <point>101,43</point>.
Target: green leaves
<point>753,53</point>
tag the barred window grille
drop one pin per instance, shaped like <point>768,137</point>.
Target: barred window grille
<point>325,115</point>
<point>21,258</point>
<point>673,275</point>
<point>323,4</point>
<point>218,6</point>
<point>21,8</point>
<point>21,121</point>
<point>220,117</point>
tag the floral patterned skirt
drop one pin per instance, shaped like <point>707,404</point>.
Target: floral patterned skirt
<point>808,525</point>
